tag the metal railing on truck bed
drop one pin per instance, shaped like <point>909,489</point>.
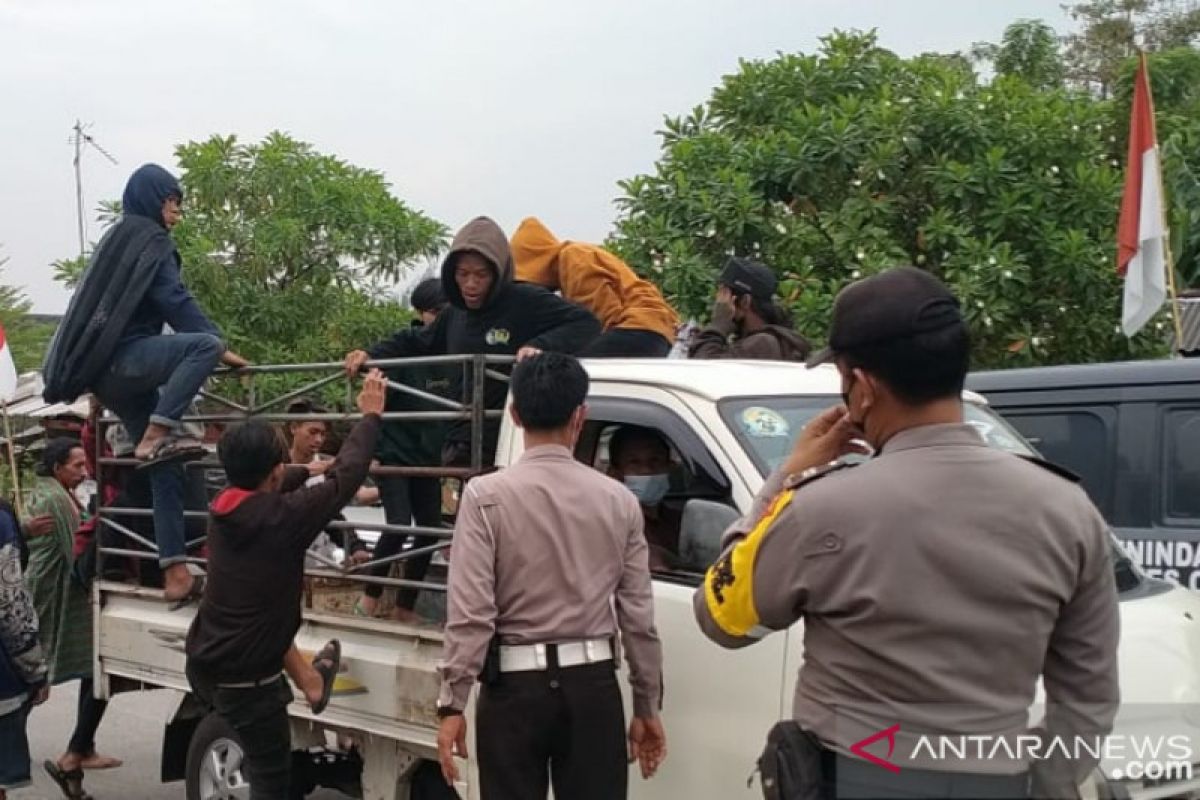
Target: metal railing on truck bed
<point>477,371</point>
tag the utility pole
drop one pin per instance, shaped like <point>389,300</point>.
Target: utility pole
<point>79,139</point>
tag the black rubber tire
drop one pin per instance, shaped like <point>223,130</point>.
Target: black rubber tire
<point>210,730</point>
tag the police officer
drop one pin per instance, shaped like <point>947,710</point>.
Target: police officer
<point>937,581</point>
<point>543,554</point>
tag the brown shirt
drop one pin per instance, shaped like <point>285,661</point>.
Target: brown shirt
<point>936,582</point>
<point>546,551</point>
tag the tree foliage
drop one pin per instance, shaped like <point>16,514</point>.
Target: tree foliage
<point>27,338</point>
<point>290,250</point>
<point>841,163</point>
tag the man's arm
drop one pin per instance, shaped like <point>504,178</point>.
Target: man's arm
<point>311,508</point>
<point>562,326</point>
<point>423,341</point>
<point>18,620</point>
<point>1080,670</point>
<point>713,341</point>
<point>176,304</point>
<point>635,619</point>
<point>470,601</point>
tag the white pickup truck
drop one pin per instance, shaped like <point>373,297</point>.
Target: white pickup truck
<point>729,423</point>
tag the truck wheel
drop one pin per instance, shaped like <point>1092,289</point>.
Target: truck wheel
<point>215,762</point>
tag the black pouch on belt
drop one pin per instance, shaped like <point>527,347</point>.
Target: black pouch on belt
<point>491,663</point>
<point>790,764</point>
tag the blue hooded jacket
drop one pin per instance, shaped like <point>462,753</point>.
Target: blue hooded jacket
<point>167,300</point>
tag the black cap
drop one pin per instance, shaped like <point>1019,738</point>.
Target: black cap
<point>749,277</point>
<point>897,303</point>
<point>428,296</point>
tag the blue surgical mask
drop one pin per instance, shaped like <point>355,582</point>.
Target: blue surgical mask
<point>648,489</point>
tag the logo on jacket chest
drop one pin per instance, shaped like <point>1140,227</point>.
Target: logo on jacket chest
<point>497,336</point>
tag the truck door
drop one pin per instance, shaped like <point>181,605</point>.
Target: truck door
<point>718,704</point>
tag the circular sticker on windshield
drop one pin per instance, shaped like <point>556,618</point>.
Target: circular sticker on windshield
<point>763,423</point>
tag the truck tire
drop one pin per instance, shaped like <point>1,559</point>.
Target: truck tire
<point>214,762</point>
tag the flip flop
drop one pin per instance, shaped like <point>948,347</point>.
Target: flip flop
<point>174,448</point>
<point>194,594</point>
<point>327,662</point>
<point>65,780</point>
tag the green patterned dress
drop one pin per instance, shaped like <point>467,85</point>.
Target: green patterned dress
<point>63,608</point>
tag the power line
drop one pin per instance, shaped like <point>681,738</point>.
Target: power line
<point>79,138</point>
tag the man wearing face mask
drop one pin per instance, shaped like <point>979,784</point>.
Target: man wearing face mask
<point>641,459</point>
<point>937,582</point>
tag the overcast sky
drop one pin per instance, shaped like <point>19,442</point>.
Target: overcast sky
<point>498,107</point>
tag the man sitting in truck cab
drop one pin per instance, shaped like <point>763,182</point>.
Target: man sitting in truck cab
<point>641,459</point>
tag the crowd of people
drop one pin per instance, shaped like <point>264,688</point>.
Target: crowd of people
<point>543,646</point>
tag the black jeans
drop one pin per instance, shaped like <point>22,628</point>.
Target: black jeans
<point>564,727</point>
<point>87,720</point>
<point>259,715</point>
<point>628,343</point>
<point>407,501</point>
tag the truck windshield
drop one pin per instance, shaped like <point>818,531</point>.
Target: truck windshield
<point>767,426</point>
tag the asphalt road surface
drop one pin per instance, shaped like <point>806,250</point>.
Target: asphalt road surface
<point>131,730</point>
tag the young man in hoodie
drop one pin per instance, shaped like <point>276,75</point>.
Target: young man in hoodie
<point>746,320</point>
<point>259,533</point>
<point>111,342</point>
<point>638,322</point>
<point>489,313</point>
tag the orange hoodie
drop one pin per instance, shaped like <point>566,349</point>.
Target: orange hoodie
<point>592,277</point>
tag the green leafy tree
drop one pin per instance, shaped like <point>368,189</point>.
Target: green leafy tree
<point>27,338</point>
<point>841,163</point>
<point>289,250</point>
<point>1111,31</point>
<point>1029,51</point>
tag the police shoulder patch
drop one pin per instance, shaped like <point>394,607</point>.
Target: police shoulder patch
<point>798,479</point>
<point>1050,466</point>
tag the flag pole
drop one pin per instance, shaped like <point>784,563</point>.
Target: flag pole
<point>1172,291</point>
<point>12,460</point>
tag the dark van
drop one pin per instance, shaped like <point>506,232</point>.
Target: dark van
<point>1131,431</point>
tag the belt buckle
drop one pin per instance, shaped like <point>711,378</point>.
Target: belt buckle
<point>590,648</point>
<point>539,656</point>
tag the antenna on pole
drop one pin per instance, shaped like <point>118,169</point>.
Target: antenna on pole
<point>79,138</point>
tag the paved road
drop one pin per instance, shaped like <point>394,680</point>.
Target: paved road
<point>132,730</point>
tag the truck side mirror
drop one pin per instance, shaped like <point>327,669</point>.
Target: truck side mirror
<point>700,532</point>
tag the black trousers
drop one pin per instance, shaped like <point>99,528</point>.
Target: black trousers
<point>854,779</point>
<point>87,719</point>
<point>628,343</point>
<point>259,715</point>
<point>407,501</point>
<point>562,727</point>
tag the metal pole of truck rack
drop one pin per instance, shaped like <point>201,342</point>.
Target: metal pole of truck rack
<point>477,370</point>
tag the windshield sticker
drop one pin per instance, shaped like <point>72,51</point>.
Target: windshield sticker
<point>763,423</point>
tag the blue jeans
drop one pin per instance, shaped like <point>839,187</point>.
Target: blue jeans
<point>14,748</point>
<point>153,380</point>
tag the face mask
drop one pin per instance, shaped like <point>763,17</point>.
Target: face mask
<point>648,489</point>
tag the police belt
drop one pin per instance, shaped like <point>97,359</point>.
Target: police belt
<point>536,657</point>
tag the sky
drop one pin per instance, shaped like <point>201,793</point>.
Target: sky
<point>507,108</point>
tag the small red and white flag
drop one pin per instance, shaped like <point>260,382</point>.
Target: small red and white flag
<point>8,370</point>
<point>1142,230</point>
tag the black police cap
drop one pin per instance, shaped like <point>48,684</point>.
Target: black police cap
<point>746,276</point>
<point>895,304</point>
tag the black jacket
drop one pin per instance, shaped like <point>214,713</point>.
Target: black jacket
<point>515,315</point>
<point>256,546</point>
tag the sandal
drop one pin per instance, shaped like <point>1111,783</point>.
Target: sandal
<point>193,595</point>
<point>327,662</point>
<point>71,783</point>
<point>173,448</point>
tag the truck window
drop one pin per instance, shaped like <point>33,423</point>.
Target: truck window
<point>1080,439</point>
<point>652,432</point>
<point>1181,451</point>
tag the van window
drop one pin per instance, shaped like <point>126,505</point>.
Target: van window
<point>1181,447</point>
<point>1080,440</point>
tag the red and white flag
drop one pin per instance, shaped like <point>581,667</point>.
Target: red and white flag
<point>1142,231</point>
<point>8,370</point>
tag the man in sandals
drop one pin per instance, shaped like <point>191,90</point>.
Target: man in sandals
<point>261,527</point>
<point>111,343</point>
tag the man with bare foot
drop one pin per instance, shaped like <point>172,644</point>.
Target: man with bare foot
<point>111,342</point>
